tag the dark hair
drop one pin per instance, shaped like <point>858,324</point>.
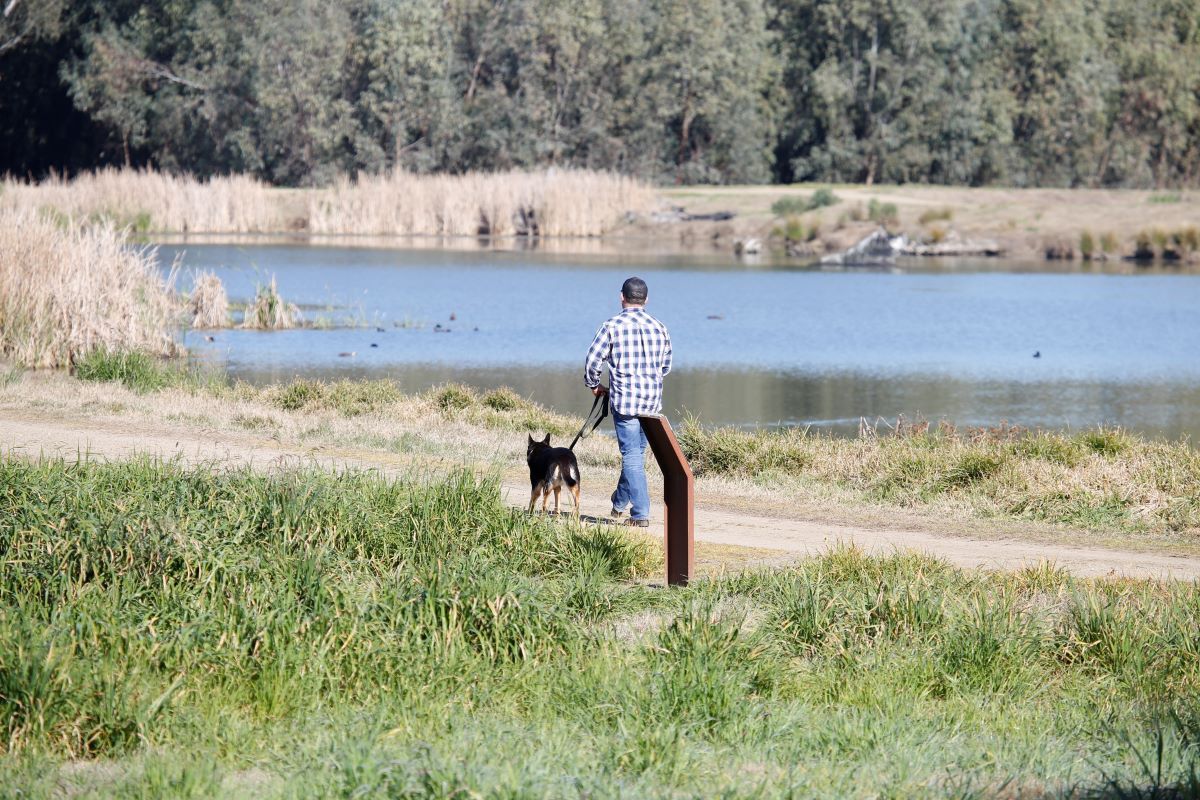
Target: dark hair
<point>634,290</point>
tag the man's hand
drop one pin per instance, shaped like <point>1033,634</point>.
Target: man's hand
<point>599,390</point>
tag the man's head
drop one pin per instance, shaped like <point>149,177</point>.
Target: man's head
<point>633,292</point>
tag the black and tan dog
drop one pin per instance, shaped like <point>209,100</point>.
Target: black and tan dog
<point>549,468</point>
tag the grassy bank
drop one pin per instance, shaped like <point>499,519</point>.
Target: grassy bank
<point>1080,224</point>
<point>551,203</point>
<point>1101,480</point>
<point>67,290</point>
<point>1096,479</point>
<point>188,632</point>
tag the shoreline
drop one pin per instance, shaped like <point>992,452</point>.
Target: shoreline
<point>590,213</point>
<point>616,249</point>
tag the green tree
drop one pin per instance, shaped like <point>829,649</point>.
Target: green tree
<point>1152,133</point>
<point>406,99</point>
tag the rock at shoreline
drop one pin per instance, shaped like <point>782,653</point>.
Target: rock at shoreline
<point>747,247</point>
<point>877,250</point>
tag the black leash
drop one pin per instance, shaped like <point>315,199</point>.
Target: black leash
<point>600,402</point>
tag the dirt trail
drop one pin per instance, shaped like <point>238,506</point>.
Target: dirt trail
<point>32,435</point>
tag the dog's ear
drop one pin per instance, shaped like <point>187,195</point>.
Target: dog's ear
<point>547,439</point>
<point>530,438</point>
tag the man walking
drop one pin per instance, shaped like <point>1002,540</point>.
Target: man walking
<point>637,348</point>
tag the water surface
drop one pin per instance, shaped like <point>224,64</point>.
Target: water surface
<point>768,345</point>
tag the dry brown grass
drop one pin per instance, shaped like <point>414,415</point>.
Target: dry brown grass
<point>156,201</point>
<point>1100,479</point>
<point>208,305</point>
<point>550,203</point>
<point>558,203</point>
<point>1019,220</point>
<point>65,291</point>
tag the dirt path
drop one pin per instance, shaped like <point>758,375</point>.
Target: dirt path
<point>31,435</point>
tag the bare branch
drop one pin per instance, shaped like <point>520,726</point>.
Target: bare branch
<point>8,9</point>
<point>15,40</point>
<point>159,71</point>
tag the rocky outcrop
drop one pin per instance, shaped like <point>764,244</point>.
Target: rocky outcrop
<point>877,250</point>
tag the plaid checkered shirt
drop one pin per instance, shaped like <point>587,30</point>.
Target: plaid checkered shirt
<point>637,348</point>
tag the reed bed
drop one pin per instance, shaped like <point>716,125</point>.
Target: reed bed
<point>268,311</point>
<point>549,203</point>
<point>146,200</point>
<point>557,203</point>
<point>1103,478</point>
<point>208,305</point>
<point>67,290</point>
<point>162,628</point>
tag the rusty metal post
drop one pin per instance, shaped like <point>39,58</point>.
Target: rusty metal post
<point>678,496</point>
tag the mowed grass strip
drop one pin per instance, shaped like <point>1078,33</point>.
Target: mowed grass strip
<point>185,632</point>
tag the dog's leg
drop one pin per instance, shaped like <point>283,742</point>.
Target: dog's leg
<point>557,489</point>
<point>533,497</point>
<point>575,495</point>
<point>545,497</point>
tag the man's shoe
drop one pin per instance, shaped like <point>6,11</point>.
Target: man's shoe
<point>638,523</point>
<point>616,513</point>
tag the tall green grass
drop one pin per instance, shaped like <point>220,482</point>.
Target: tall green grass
<point>144,373</point>
<point>186,632</point>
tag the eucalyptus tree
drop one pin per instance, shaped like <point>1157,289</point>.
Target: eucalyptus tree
<point>1018,92</point>
<point>709,72</point>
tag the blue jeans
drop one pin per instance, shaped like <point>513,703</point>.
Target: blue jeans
<point>632,491</point>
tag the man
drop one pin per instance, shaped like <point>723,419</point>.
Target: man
<point>637,348</point>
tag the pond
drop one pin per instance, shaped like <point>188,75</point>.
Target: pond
<point>973,342</point>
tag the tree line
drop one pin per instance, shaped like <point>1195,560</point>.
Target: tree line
<point>975,92</point>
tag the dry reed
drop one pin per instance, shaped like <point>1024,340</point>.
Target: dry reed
<point>156,201</point>
<point>549,203</point>
<point>65,291</point>
<point>268,311</point>
<point>208,305</point>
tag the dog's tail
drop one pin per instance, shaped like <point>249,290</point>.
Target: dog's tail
<point>565,470</point>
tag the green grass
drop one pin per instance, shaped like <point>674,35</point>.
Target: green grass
<point>177,632</point>
<point>1098,479</point>
<point>789,206</point>
<point>1087,245</point>
<point>1101,479</point>
<point>501,409</point>
<point>350,398</point>
<point>144,373</point>
<point>886,214</point>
